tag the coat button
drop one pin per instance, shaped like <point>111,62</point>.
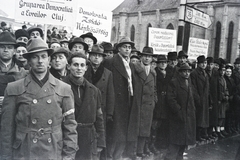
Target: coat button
<point>49,140</point>
<point>35,140</point>
<point>49,121</point>
<point>34,101</point>
<point>49,101</point>
<point>34,121</point>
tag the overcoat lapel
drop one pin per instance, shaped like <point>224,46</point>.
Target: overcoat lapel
<point>118,64</point>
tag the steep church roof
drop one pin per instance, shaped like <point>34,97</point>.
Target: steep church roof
<point>145,5</point>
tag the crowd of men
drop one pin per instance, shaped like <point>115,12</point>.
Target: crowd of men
<point>79,99</point>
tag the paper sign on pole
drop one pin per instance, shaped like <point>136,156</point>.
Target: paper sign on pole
<point>197,47</point>
<point>92,20</point>
<point>162,40</point>
<point>56,12</point>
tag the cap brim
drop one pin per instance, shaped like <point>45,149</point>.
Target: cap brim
<point>120,44</point>
<point>92,37</point>
<point>70,45</point>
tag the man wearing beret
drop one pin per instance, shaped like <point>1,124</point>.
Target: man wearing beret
<point>201,85</point>
<point>182,124</point>
<point>88,112</point>
<point>38,119</point>
<point>123,87</point>
<point>102,78</point>
<point>59,63</point>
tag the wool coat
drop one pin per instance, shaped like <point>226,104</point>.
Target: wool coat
<point>213,94</point>
<point>161,109</point>
<point>122,105</point>
<point>182,124</point>
<point>144,100</point>
<point>236,76</point>
<point>201,85</point>
<point>38,122</point>
<point>222,97</point>
<point>89,117</point>
<point>105,85</point>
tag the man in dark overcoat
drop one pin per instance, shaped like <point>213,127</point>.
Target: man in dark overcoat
<point>38,119</point>
<point>213,75</point>
<point>122,81</point>
<point>144,100</point>
<point>88,112</point>
<point>161,109</point>
<point>182,124</point>
<point>236,71</point>
<point>201,85</point>
<point>102,78</point>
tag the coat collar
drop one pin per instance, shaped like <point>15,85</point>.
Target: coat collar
<point>118,64</point>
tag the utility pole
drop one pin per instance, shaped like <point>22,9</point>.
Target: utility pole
<point>181,24</point>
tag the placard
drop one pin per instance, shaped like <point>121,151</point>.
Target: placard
<point>56,12</point>
<point>197,47</point>
<point>92,20</point>
<point>162,40</point>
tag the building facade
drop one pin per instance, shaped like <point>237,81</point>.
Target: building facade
<point>132,18</point>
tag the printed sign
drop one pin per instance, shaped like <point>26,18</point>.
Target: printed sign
<point>197,47</point>
<point>162,40</point>
<point>92,20</point>
<point>56,12</point>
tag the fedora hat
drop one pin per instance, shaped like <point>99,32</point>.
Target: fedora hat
<point>21,33</point>
<point>147,51</point>
<point>107,46</point>
<point>89,35</point>
<point>185,66</point>
<point>210,60</point>
<point>135,50</point>
<point>125,40</point>
<point>78,40</point>
<point>161,58</point>
<point>61,50</point>
<point>97,49</point>
<point>64,40</point>
<point>182,54</point>
<point>33,28</point>
<point>54,40</point>
<point>172,56</point>
<point>37,45</point>
<point>201,59</point>
<point>8,38</point>
<point>237,61</point>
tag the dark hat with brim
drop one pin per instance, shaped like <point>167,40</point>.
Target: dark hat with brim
<point>107,46</point>
<point>21,33</point>
<point>161,58</point>
<point>185,67</point>
<point>36,45</point>
<point>210,60</point>
<point>237,61</point>
<point>201,59</point>
<point>125,40</point>
<point>229,65</point>
<point>65,40</point>
<point>7,38</point>
<point>61,50</point>
<point>147,51</point>
<point>89,35</point>
<point>97,49</point>
<point>172,56</point>
<point>182,54</point>
<point>78,40</point>
<point>33,28</point>
<point>135,50</point>
<point>21,44</point>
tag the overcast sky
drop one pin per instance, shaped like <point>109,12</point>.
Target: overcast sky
<point>108,5</point>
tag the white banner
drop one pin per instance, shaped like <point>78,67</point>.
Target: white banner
<point>197,47</point>
<point>92,20</point>
<point>56,12</point>
<point>162,40</point>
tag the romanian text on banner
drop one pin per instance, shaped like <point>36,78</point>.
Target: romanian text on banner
<point>56,12</point>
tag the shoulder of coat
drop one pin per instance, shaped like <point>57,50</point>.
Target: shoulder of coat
<point>16,87</point>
